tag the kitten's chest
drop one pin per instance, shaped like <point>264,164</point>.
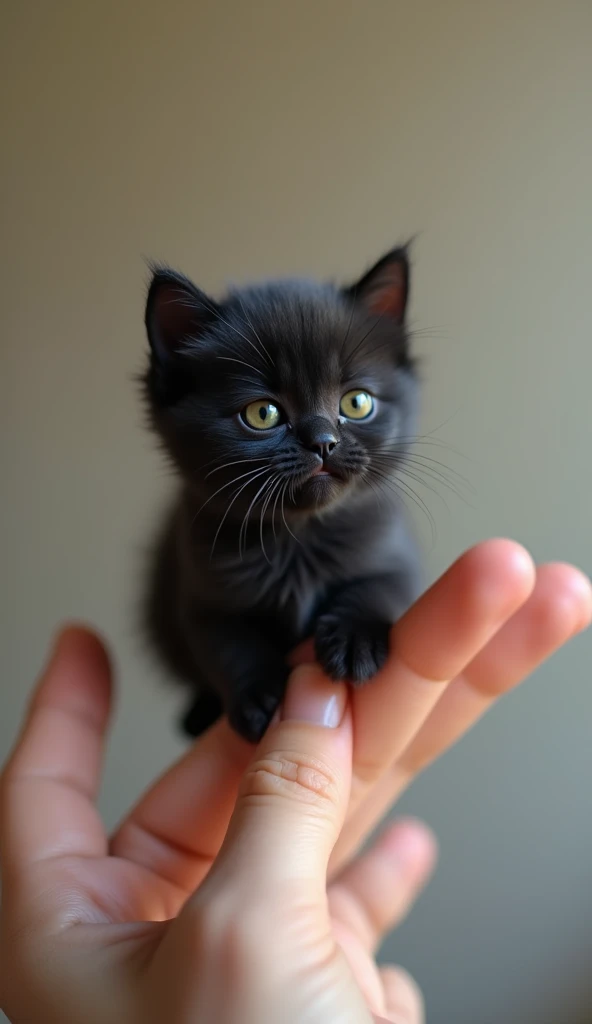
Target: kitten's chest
<point>288,579</point>
<point>289,584</point>
<point>302,588</point>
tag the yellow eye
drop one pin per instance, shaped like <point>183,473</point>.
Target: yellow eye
<point>356,405</point>
<point>261,415</point>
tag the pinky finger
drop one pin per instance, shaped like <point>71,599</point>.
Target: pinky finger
<point>402,995</point>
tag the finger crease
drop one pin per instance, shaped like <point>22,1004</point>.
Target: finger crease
<point>69,782</point>
<point>356,914</point>
<point>142,836</point>
<point>89,721</point>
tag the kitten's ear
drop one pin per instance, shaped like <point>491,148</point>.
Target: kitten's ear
<point>385,288</point>
<point>176,313</point>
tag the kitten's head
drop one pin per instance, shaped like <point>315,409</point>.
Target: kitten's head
<point>289,395</point>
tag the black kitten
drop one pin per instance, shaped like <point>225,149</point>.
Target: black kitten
<point>286,409</point>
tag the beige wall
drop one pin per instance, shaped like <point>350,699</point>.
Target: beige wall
<point>238,139</point>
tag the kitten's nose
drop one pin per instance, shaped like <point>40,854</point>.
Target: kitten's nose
<point>319,437</point>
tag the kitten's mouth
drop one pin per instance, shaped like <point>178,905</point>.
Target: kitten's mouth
<point>323,470</point>
<point>320,488</point>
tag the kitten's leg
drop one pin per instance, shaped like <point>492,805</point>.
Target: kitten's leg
<point>245,667</point>
<point>352,633</point>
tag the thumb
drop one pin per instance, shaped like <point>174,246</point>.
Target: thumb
<point>262,911</point>
<point>294,794</point>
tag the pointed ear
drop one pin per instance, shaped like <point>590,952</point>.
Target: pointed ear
<point>385,288</point>
<point>176,313</point>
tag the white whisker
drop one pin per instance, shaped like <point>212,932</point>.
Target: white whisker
<point>242,537</point>
<point>251,473</point>
<point>239,462</point>
<point>231,503</point>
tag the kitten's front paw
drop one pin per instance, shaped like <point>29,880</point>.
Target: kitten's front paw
<point>351,649</point>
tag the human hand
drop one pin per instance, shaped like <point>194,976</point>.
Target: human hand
<point>172,922</point>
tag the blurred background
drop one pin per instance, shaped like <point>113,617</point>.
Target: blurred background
<point>238,140</point>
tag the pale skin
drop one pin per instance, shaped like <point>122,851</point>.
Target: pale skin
<point>232,891</point>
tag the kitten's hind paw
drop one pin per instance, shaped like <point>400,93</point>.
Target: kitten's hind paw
<point>351,649</point>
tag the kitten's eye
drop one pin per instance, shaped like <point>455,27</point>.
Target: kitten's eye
<point>261,415</point>
<point>356,405</point>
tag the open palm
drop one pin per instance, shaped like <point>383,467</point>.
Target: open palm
<point>87,919</point>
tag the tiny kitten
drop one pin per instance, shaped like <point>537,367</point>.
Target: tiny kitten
<point>287,409</point>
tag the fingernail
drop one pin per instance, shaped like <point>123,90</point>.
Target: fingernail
<point>311,697</point>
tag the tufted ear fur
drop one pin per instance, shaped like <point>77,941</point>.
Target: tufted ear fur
<point>385,288</point>
<point>176,314</point>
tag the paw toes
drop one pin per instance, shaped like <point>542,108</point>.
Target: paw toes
<point>250,720</point>
<point>369,656</point>
<point>253,710</point>
<point>352,651</point>
<point>331,647</point>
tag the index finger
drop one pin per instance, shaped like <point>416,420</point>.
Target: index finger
<point>431,645</point>
<point>48,786</point>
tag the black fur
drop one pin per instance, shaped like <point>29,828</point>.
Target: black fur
<point>261,549</point>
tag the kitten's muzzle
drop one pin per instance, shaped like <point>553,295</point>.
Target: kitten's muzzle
<point>319,436</point>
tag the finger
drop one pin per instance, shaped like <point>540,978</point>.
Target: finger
<point>50,781</point>
<point>270,876</point>
<point>559,607</point>
<point>293,796</point>
<point>432,643</point>
<point>374,893</point>
<point>304,654</point>
<point>178,826</point>
<point>402,996</point>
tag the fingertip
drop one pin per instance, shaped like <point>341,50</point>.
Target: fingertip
<point>312,697</point>
<point>463,609</point>
<point>564,600</point>
<point>304,673</point>
<point>303,654</point>
<point>581,591</point>
<point>79,638</point>
<point>293,795</point>
<point>78,672</point>
<point>413,845</point>
<point>501,563</point>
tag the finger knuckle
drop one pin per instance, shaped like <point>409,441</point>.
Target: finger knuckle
<point>292,776</point>
<point>367,771</point>
<point>413,761</point>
